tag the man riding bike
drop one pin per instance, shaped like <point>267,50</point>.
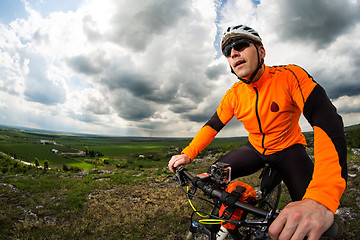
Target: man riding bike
<point>269,101</point>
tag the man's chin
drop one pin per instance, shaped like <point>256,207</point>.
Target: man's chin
<point>242,75</point>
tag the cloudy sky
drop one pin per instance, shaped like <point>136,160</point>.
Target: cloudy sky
<point>153,68</point>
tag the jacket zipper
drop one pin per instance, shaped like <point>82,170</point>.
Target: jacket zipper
<point>258,118</point>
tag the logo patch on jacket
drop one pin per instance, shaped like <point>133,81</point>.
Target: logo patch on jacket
<point>274,107</point>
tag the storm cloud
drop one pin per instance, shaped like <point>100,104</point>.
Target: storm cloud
<point>137,24</point>
<point>153,68</point>
<point>315,22</point>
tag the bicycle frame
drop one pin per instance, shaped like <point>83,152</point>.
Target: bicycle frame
<point>212,191</point>
<point>257,226</point>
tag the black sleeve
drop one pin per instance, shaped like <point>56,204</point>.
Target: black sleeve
<point>215,123</point>
<point>320,112</point>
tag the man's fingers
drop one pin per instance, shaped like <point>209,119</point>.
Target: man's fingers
<point>299,233</point>
<point>276,227</point>
<point>285,225</point>
<point>284,230</point>
<point>171,164</point>
<point>176,161</point>
<point>300,219</point>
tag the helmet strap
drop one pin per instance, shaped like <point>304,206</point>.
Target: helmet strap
<point>251,78</point>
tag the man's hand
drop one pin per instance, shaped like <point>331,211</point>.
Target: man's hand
<point>300,219</point>
<point>178,160</point>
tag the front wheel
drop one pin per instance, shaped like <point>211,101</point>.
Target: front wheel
<point>271,200</point>
<point>199,231</point>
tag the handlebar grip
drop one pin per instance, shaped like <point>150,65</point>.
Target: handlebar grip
<point>332,231</point>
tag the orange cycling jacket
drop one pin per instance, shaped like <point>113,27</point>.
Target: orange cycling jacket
<point>270,110</point>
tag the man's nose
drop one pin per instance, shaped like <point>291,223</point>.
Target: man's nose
<point>234,53</point>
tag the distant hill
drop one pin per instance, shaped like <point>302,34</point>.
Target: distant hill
<point>353,136</point>
<point>352,127</point>
<point>27,129</point>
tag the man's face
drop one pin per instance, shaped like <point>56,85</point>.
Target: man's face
<point>245,61</point>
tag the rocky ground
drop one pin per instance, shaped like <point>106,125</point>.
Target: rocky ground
<point>141,204</point>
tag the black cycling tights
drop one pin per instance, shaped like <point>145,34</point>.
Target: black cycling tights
<point>293,164</point>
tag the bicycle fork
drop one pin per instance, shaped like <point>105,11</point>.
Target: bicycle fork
<point>223,233</point>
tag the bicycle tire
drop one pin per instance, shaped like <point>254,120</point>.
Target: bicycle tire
<point>196,236</point>
<point>271,200</point>
<point>268,202</point>
<point>200,235</point>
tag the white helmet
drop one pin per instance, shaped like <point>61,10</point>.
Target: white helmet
<point>239,31</point>
<point>242,31</point>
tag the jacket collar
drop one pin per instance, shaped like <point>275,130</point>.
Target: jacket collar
<point>263,79</point>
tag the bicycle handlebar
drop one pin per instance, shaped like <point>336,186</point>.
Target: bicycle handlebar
<point>219,194</point>
<point>182,174</point>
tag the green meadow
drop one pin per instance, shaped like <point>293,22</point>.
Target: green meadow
<point>98,151</point>
<point>118,188</point>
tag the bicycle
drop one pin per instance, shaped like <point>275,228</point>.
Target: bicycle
<point>256,217</point>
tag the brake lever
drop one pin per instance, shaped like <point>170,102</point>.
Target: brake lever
<point>178,177</point>
<point>181,178</point>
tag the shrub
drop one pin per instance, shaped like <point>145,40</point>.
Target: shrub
<point>65,168</point>
<point>37,164</point>
<point>75,169</point>
<point>46,164</point>
<point>122,164</point>
<point>353,138</point>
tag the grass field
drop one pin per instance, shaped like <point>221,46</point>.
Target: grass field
<point>121,195</point>
<point>128,204</point>
<point>27,146</point>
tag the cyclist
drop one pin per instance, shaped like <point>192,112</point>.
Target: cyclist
<point>269,101</point>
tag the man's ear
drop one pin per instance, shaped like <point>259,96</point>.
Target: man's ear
<point>262,52</point>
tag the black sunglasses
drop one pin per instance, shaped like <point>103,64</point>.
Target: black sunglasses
<point>238,45</point>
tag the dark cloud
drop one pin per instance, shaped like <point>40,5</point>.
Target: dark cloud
<point>139,85</point>
<point>204,113</point>
<point>137,23</point>
<point>152,64</point>
<point>198,117</point>
<point>171,72</point>
<point>136,113</point>
<point>146,92</point>
<point>215,71</point>
<point>317,22</point>
<point>165,93</point>
<point>349,108</point>
<point>85,117</point>
<point>195,90</point>
<point>338,89</point>
<point>98,106</point>
<point>340,81</point>
<point>88,65</point>
<point>182,107</point>
<point>128,90</point>
<point>132,109</point>
<point>44,91</point>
